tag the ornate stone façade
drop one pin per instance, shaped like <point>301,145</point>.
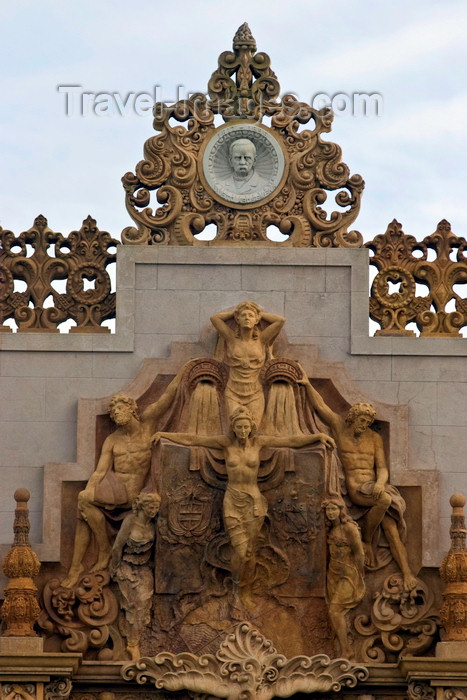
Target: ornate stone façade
<point>241,520</point>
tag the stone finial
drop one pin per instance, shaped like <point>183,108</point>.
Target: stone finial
<point>20,609</point>
<point>453,572</point>
<point>244,38</point>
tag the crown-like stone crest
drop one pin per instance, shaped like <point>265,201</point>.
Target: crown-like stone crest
<point>245,176</point>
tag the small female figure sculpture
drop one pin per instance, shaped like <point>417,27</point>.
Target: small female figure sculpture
<point>130,568</point>
<point>345,583</point>
<point>246,350</point>
<point>244,506</point>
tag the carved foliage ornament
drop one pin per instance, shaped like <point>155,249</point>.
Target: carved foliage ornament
<point>246,666</point>
<point>289,173</point>
<point>394,257</point>
<point>82,256</point>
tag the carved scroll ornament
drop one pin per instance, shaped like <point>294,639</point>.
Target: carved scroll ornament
<point>83,255</point>
<point>246,666</point>
<point>401,622</point>
<point>420,691</point>
<point>394,257</point>
<point>84,616</point>
<point>243,90</point>
<point>58,689</point>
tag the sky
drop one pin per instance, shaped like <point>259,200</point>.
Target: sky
<point>414,54</point>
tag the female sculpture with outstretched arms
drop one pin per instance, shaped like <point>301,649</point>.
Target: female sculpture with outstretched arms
<point>246,353</point>
<point>244,506</point>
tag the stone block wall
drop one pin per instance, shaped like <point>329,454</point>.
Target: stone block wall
<point>166,296</point>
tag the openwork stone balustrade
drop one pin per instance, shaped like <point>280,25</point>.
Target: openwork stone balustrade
<point>401,259</point>
<point>39,258</point>
<point>83,255</point>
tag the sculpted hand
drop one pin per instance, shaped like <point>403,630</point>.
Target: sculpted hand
<point>155,438</point>
<point>326,440</point>
<point>303,379</point>
<point>378,490</point>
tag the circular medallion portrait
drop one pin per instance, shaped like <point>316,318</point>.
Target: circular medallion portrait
<point>243,164</point>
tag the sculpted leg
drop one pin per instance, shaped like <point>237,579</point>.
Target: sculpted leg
<point>93,520</point>
<point>237,561</point>
<point>339,623</point>
<point>96,521</point>
<point>82,539</point>
<point>399,552</point>
<point>371,521</point>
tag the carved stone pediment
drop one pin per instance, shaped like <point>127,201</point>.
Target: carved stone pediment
<point>190,165</point>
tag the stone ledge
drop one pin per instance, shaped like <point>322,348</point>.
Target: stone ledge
<point>129,256</point>
<point>38,667</point>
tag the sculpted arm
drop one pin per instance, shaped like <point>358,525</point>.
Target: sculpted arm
<point>315,399</point>
<point>381,470</point>
<point>190,440</point>
<point>120,540</point>
<point>272,331</point>
<point>103,465</point>
<point>157,409</point>
<point>355,541</point>
<point>219,323</point>
<point>296,440</point>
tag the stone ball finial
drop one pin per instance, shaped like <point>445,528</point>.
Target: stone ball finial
<point>21,495</point>
<point>457,500</point>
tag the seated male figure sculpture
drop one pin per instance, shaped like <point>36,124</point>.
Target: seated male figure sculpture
<point>361,452</point>
<point>120,475</point>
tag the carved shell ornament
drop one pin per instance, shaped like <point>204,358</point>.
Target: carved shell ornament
<point>283,181</point>
<point>245,666</point>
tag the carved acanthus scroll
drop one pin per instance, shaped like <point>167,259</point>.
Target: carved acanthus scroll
<point>242,90</point>
<point>246,666</point>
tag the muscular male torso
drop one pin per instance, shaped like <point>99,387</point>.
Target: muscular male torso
<point>357,456</point>
<point>131,460</point>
